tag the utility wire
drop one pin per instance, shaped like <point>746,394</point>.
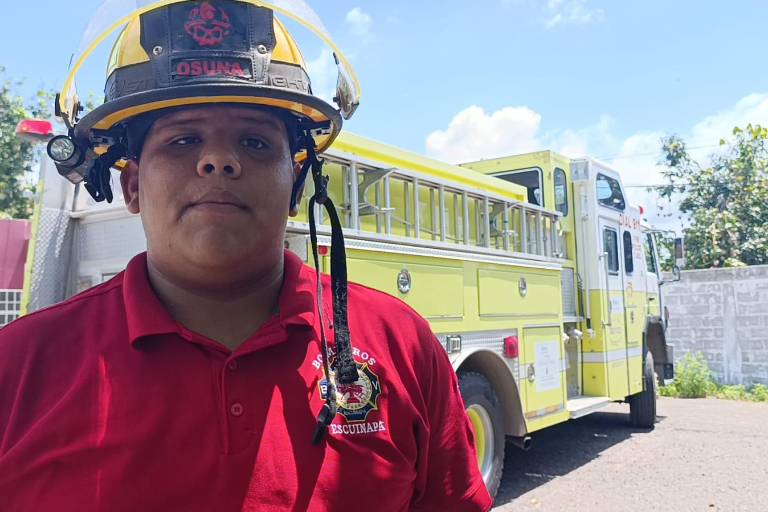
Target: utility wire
<point>655,153</point>
<point>658,186</point>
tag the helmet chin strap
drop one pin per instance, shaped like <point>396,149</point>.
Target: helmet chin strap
<point>98,178</point>
<point>345,370</point>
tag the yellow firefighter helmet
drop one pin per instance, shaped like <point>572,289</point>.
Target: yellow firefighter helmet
<point>179,53</point>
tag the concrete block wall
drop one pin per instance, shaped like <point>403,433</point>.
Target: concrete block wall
<point>722,313</point>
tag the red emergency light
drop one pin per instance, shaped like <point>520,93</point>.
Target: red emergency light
<point>511,347</point>
<point>35,130</point>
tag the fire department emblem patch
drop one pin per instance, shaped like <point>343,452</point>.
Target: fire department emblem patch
<point>356,400</point>
<point>208,24</point>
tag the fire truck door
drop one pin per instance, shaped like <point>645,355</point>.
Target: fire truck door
<point>614,355</point>
<point>652,276</point>
<point>633,274</point>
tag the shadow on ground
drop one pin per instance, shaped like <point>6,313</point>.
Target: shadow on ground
<point>558,450</point>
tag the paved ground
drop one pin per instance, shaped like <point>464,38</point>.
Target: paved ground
<point>708,455</point>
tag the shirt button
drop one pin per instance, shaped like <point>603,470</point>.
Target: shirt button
<point>236,409</point>
<point>232,365</point>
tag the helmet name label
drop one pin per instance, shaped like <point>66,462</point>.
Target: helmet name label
<point>193,68</point>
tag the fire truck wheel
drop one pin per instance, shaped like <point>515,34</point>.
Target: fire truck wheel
<point>484,412</point>
<point>642,406</point>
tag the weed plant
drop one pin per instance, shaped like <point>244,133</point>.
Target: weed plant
<point>693,379</point>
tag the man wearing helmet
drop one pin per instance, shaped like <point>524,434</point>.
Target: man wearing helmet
<point>193,380</point>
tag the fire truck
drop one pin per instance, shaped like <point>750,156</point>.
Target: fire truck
<point>536,274</point>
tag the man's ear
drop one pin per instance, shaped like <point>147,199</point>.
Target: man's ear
<point>129,181</point>
<point>295,207</point>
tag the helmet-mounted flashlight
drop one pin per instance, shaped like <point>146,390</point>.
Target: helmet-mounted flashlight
<point>64,151</point>
<point>69,157</point>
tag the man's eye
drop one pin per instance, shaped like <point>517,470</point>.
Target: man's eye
<point>254,143</point>
<point>184,141</point>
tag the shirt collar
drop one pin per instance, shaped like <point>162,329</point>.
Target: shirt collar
<point>297,297</point>
<point>147,316</point>
<point>145,313</point>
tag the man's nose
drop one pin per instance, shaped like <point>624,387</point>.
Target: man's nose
<point>219,161</point>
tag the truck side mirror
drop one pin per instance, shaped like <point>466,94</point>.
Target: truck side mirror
<point>679,254</point>
<point>675,276</point>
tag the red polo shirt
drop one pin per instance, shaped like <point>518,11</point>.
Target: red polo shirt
<point>107,403</point>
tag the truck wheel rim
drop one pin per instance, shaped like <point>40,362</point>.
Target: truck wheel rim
<point>482,428</point>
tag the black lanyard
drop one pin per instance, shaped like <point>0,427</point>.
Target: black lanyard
<point>344,365</point>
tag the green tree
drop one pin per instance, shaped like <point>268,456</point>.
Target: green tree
<point>725,201</point>
<point>16,155</point>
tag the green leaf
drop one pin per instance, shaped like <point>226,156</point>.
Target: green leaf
<point>725,202</point>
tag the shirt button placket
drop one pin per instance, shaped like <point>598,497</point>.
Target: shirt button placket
<point>238,436</point>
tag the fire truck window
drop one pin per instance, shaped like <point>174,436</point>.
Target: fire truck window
<point>609,192</point>
<point>611,246</point>
<point>650,257</point>
<point>629,265</point>
<point>530,179</point>
<point>561,192</point>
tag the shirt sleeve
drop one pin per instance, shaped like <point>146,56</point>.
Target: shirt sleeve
<point>448,477</point>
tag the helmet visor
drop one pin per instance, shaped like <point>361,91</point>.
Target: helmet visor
<point>113,15</point>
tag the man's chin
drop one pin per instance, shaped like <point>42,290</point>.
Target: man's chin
<point>225,256</point>
<point>215,255</point>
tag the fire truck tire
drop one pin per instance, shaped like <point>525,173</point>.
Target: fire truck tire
<point>484,412</point>
<point>642,406</point>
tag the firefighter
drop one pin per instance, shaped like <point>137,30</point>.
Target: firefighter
<point>218,371</point>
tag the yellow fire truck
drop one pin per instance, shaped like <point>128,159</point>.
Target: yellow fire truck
<point>535,273</point>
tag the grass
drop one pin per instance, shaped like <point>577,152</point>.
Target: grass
<point>693,379</point>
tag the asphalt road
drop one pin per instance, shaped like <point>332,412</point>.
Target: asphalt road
<point>703,455</point>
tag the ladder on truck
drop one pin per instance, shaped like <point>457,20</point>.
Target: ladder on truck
<point>381,207</point>
<point>398,205</point>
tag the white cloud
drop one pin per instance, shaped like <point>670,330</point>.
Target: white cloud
<point>360,22</point>
<point>474,134</point>
<point>750,109</point>
<point>638,157</point>
<point>323,74</point>
<point>592,138</point>
<point>637,161</point>
<point>563,12</point>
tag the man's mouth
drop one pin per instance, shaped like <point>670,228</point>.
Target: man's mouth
<point>218,201</point>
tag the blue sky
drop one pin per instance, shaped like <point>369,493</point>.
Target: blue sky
<point>467,80</point>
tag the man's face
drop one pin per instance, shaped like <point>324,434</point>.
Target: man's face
<point>213,186</point>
